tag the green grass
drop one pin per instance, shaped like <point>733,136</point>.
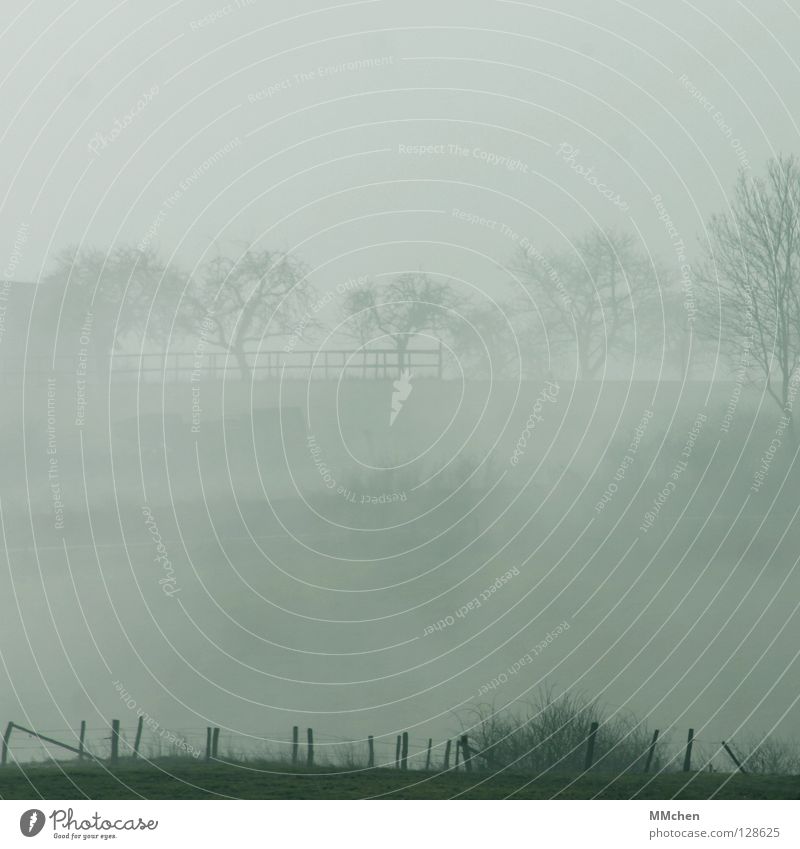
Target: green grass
<point>185,779</point>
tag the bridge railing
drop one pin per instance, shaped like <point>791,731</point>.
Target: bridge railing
<point>187,367</point>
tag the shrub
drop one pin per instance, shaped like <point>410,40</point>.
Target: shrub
<point>551,733</point>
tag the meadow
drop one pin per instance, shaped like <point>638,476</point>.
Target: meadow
<point>187,779</point>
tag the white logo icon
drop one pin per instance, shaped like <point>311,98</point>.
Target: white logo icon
<point>402,389</point>
<point>31,822</point>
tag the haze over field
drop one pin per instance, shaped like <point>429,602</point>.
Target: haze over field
<point>368,364</point>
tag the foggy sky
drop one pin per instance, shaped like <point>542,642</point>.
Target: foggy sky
<point>372,138</point>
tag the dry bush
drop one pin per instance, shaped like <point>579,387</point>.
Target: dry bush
<point>551,733</point>
<point>770,756</point>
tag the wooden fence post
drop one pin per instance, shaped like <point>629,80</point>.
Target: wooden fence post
<point>428,758</point>
<point>114,740</point>
<point>82,739</point>
<point>734,758</point>
<point>66,746</point>
<point>208,745</point>
<point>371,744</point>
<point>397,752</point>
<point>687,759</point>
<point>138,739</point>
<point>6,738</point>
<point>590,746</point>
<point>214,743</point>
<point>404,756</point>
<point>447,755</point>
<point>466,752</point>
<point>309,747</point>
<point>295,743</point>
<point>651,751</point>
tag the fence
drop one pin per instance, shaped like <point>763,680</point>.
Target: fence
<point>185,367</point>
<point>400,752</point>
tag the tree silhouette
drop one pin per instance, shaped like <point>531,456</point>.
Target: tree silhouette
<point>751,278</point>
<point>410,304</point>
<point>589,299</point>
<point>123,291</point>
<point>261,294</point>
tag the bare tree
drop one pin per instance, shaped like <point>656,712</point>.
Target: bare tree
<point>751,279</point>
<point>766,755</point>
<point>666,324</point>
<point>486,341</point>
<point>410,304</point>
<point>671,320</point>
<point>261,294</point>
<point>550,733</point>
<point>117,293</point>
<point>589,299</point>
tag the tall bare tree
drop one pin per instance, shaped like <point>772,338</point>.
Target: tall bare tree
<point>123,291</point>
<point>751,279</point>
<point>591,298</point>
<point>486,340</point>
<point>262,294</point>
<point>410,304</point>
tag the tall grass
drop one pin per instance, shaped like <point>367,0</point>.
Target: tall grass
<point>550,733</point>
<point>765,755</point>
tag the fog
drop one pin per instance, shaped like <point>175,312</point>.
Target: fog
<point>349,351</point>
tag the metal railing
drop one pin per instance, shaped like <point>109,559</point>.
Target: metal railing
<point>187,367</point>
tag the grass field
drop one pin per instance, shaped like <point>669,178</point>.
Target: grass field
<point>179,779</point>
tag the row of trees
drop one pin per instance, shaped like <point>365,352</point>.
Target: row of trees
<point>591,302</point>
<point>596,302</point>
